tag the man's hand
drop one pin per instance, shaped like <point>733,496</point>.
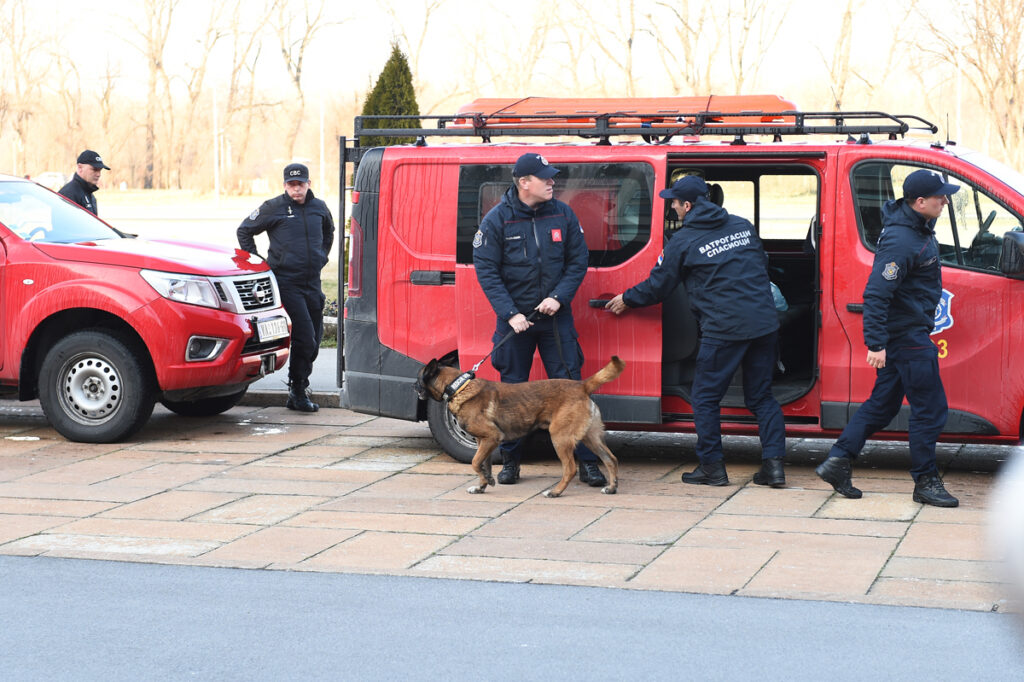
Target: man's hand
<point>549,306</point>
<point>876,358</point>
<point>519,323</point>
<point>617,305</point>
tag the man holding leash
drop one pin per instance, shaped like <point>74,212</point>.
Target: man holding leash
<point>720,259</point>
<point>529,254</point>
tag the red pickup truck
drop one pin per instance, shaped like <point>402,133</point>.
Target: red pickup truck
<point>99,325</point>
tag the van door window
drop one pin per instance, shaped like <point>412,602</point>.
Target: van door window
<point>970,231</point>
<point>612,201</point>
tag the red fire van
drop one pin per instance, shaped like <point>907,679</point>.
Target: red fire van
<point>812,183</point>
<point>99,325</point>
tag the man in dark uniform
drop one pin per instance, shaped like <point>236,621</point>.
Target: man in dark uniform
<point>85,181</point>
<point>301,232</point>
<point>722,263</point>
<point>900,298</point>
<point>530,254</point>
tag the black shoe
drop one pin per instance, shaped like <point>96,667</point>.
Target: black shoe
<point>509,473</point>
<point>591,475</point>
<point>708,474</point>
<point>298,400</point>
<point>929,490</point>
<point>836,472</point>
<point>771,473</point>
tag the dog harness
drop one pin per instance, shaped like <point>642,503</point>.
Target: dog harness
<point>460,383</point>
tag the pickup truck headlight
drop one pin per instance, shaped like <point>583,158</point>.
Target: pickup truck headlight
<point>183,288</point>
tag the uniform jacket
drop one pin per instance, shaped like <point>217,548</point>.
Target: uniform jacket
<point>524,255</point>
<point>81,192</point>
<point>301,236</point>
<point>905,283</point>
<point>721,261</point>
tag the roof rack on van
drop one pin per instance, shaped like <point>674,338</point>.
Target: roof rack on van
<point>655,120</point>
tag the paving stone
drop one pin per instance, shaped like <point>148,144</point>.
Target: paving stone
<point>525,570</point>
<point>817,574</point>
<point>45,507</point>
<point>945,541</point>
<point>792,524</point>
<point>173,505</point>
<point>644,526</point>
<point>380,551</point>
<point>709,570</point>
<point>871,507</point>
<point>958,570</point>
<point>541,522</point>
<point>416,523</point>
<point>769,501</point>
<point>16,526</point>
<point>277,545</point>
<point>940,593</point>
<point>264,510</point>
<point>554,550</point>
<point>127,528</point>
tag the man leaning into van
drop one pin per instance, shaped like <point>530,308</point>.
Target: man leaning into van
<point>530,255</point>
<point>900,298</point>
<point>720,259</point>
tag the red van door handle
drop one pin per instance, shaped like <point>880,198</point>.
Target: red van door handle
<point>855,308</point>
<point>599,302</point>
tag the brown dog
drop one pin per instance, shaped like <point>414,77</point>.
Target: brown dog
<point>496,412</point>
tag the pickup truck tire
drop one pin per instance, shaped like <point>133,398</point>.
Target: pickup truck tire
<point>204,407</point>
<point>450,436</point>
<point>94,388</point>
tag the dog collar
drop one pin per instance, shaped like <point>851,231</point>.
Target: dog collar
<point>460,383</point>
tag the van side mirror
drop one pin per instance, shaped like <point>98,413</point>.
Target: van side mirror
<point>1011,260</point>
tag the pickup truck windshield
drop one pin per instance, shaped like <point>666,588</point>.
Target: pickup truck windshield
<point>38,215</point>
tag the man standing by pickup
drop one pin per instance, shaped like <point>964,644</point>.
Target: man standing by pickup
<point>85,181</point>
<point>301,232</point>
<point>720,259</point>
<point>900,298</point>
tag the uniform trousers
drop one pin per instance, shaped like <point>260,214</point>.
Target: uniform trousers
<point>304,304</point>
<point>911,370</point>
<point>717,361</point>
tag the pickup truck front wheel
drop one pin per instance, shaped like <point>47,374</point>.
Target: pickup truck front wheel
<point>94,388</point>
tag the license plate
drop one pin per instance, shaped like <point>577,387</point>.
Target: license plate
<point>272,328</point>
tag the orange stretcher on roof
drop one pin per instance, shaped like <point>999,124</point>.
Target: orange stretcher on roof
<point>622,112</point>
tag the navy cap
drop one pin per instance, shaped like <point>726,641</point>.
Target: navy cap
<point>688,188</point>
<point>296,171</point>
<point>924,183</point>
<point>93,159</point>
<point>535,165</point>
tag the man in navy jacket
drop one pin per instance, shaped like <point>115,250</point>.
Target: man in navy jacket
<point>722,263</point>
<point>85,182</point>
<point>530,254</point>
<point>900,298</point>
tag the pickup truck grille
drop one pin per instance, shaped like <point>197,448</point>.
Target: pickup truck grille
<point>256,294</point>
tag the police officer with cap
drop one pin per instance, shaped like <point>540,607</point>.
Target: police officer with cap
<point>721,261</point>
<point>530,254</point>
<point>900,298</point>
<point>301,232</point>
<point>85,181</point>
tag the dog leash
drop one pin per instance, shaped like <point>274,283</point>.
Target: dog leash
<point>460,381</point>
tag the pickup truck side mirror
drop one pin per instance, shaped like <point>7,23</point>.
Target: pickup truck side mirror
<point>1011,260</point>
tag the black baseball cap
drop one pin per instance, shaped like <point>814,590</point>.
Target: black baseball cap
<point>296,171</point>
<point>93,159</point>
<point>924,183</point>
<point>535,165</point>
<point>688,188</point>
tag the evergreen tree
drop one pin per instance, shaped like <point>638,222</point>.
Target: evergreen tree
<point>392,95</point>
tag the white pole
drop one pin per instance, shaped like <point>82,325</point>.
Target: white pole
<point>216,150</point>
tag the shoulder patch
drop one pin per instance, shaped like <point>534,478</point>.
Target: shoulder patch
<point>891,271</point>
<point>255,214</point>
<point>478,239</point>
<point>661,257</point>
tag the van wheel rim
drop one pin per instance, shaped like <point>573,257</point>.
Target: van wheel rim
<point>90,388</point>
<point>458,432</point>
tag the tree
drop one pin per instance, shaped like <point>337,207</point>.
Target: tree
<point>392,95</point>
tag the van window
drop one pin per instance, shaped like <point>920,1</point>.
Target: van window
<point>970,231</point>
<point>612,201</point>
<point>781,205</point>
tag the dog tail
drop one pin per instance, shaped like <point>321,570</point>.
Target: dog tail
<point>609,372</point>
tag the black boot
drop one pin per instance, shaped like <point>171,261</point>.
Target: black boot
<point>771,473</point>
<point>836,472</point>
<point>708,474</point>
<point>509,473</point>
<point>591,475</point>
<point>297,398</point>
<point>929,490</point>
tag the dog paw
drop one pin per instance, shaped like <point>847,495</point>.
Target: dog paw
<point>475,489</point>
<point>550,493</point>
<point>490,480</point>
<point>608,490</point>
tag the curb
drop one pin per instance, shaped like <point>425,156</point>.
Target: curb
<point>265,398</point>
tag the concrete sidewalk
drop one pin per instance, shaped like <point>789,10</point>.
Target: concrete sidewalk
<point>337,491</point>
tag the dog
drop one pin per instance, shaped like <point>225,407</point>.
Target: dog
<point>495,412</point>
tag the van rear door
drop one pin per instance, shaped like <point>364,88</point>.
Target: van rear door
<point>613,201</point>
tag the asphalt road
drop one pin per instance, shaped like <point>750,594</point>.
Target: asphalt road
<point>90,620</point>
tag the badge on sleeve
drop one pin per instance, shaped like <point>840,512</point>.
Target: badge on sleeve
<point>891,271</point>
<point>255,214</point>
<point>556,235</point>
<point>478,239</point>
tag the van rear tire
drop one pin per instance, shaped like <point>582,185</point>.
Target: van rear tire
<point>450,436</point>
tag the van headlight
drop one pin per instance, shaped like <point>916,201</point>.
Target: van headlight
<point>183,288</point>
